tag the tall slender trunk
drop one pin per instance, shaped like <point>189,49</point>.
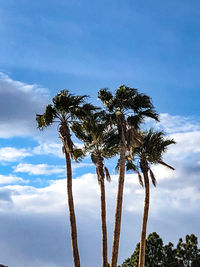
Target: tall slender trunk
<point>71,211</point>
<point>101,177</point>
<point>118,211</point>
<point>103,225</point>
<point>145,219</point>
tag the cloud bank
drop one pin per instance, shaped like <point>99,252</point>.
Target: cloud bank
<point>19,103</point>
<point>44,211</point>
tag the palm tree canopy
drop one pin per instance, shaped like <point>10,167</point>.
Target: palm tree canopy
<point>97,136</point>
<point>151,151</point>
<point>153,147</point>
<point>66,107</point>
<point>100,141</point>
<point>129,102</point>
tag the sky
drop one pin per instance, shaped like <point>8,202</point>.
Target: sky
<point>83,46</point>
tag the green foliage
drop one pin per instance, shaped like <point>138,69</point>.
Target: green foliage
<point>169,256</point>
<point>154,145</point>
<point>67,109</point>
<point>154,253</point>
<point>135,120</point>
<point>64,102</point>
<point>186,254</point>
<point>187,251</point>
<point>47,118</point>
<point>106,97</point>
<point>148,150</point>
<point>196,262</point>
<point>79,131</point>
<point>78,154</point>
<point>98,137</point>
<point>100,141</point>
<point>128,102</point>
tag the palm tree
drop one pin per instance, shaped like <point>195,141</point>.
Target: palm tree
<point>66,109</point>
<point>102,143</point>
<point>150,151</point>
<point>127,109</point>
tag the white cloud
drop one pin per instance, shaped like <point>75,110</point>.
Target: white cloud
<point>45,169</point>
<point>186,145</point>
<point>81,165</point>
<point>39,169</point>
<point>177,124</point>
<point>11,154</point>
<point>87,193</point>
<point>19,103</point>
<point>49,148</point>
<point>4,179</point>
<point>185,131</point>
<point>168,204</point>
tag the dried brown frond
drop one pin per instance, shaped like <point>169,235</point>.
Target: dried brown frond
<point>108,178</point>
<point>140,179</point>
<point>166,165</point>
<point>134,139</point>
<point>153,179</point>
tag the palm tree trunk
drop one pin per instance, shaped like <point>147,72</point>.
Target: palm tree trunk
<point>118,211</point>
<point>144,221</point>
<point>103,224</point>
<point>101,177</point>
<point>71,211</point>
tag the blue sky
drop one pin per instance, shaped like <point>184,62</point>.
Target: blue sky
<point>86,45</point>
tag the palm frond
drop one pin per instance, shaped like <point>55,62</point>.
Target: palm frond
<point>40,121</point>
<point>80,99</point>
<point>154,145</point>
<point>110,119</point>
<point>83,112</point>
<point>111,142</point>
<point>153,179</point>
<point>169,142</point>
<point>130,166</point>
<point>141,101</point>
<point>149,113</point>
<point>78,154</point>
<point>74,106</point>
<point>123,97</point>
<point>134,139</point>
<point>47,118</point>
<point>107,98</point>
<point>64,100</point>
<point>135,121</point>
<point>140,178</point>
<point>80,133</point>
<point>166,165</point>
<point>108,177</point>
